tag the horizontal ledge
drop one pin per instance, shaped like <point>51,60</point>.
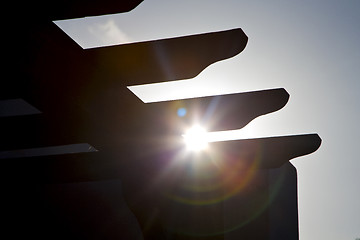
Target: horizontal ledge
<point>16,107</point>
<point>265,153</point>
<point>48,151</point>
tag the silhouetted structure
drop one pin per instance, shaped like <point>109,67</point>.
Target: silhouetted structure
<point>83,98</point>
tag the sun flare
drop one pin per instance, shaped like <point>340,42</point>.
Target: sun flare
<point>196,138</point>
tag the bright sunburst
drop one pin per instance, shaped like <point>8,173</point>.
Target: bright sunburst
<point>196,138</point>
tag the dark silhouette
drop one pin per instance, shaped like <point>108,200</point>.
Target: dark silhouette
<point>106,124</point>
<point>244,189</point>
<point>87,88</point>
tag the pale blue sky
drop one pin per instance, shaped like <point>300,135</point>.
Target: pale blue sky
<point>311,48</point>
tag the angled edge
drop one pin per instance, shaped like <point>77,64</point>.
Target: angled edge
<point>271,152</point>
<point>222,112</point>
<point>167,59</point>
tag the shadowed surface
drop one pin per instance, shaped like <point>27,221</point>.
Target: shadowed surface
<point>199,190</point>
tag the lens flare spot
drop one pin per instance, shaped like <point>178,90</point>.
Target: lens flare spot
<point>181,112</point>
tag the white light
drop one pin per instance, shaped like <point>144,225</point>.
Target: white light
<point>196,138</point>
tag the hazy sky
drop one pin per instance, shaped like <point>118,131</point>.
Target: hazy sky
<point>311,48</point>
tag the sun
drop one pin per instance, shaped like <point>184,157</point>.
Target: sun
<point>196,138</point>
